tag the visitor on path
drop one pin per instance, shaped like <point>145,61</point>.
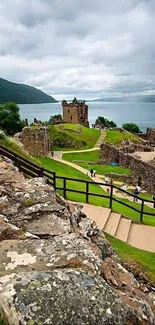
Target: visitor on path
<point>124,188</point>
<point>135,192</point>
<point>111,181</point>
<point>106,179</point>
<point>94,172</point>
<point>139,189</point>
<point>153,197</point>
<point>52,153</point>
<point>108,190</point>
<point>91,172</point>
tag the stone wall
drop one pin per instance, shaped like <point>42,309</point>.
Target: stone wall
<point>138,167</point>
<point>151,135</point>
<point>75,112</point>
<point>36,141</point>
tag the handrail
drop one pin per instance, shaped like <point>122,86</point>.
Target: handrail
<point>33,170</point>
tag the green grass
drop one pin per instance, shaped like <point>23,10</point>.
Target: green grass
<point>93,156</point>
<point>145,260</point>
<point>67,171</point>
<point>85,140</point>
<point>115,137</point>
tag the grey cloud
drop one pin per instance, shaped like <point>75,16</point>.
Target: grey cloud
<point>84,47</point>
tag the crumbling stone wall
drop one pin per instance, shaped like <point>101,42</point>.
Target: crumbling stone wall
<point>138,167</point>
<point>75,112</point>
<point>151,135</point>
<point>36,141</point>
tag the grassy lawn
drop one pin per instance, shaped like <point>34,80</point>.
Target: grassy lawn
<point>116,137</point>
<point>84,140</point>
<point>145,260</point>
<point>67,171</point>
<point>94,157</point>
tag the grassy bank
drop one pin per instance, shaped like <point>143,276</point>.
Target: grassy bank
<point>145,260</point>
<point>93,156</point>
<point>85,139</point>
<point>116,137</point>
<point>12,145</point>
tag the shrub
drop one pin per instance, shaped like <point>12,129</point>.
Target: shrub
<point>105,122</point>
<point>131,127</point>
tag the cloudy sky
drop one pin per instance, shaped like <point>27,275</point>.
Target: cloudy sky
<point>87,48</point>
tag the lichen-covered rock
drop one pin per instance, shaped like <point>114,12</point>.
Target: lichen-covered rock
<point>60,252</point>
<point>62,297</point>
<point>56,267</point>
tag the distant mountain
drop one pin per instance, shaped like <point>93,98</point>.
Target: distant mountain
<point>142,98</point>
<point>22,94</point>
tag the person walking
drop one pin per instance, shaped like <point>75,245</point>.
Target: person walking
<point>94,172</point>
<point>124,188</point>
<point>52,154</point>
<point>111,182</point>
<point>91,173</point>
<point>135,192</point>
<point>106,179</point>
<point>153,198</point>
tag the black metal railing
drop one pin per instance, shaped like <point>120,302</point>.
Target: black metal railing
<point>30,169</point>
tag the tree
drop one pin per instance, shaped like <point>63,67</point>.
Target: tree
<point>131,127</point>
<point>105,122</point>
<point>10,121</point>
<point>55,118</point>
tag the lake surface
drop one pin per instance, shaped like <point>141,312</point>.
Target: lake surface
<point>142,114</point>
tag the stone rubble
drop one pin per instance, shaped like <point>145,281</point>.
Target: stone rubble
<point>56,267</point>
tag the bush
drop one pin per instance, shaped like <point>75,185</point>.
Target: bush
<point>105,122</point>
<point>10,121</point>
<point>2,135</point>
<point>131,127</point>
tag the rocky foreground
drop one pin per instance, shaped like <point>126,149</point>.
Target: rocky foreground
<point>56,267</point>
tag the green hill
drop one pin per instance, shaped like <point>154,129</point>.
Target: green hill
<point>72,136</point>
<point>22,94</point>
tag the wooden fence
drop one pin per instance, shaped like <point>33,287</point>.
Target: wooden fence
<point>30,169</point>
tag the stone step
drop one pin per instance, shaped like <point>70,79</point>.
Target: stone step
<point>112,223</point>
<point>142,237</point>
<point>123,229</point>
<point>98,214</point>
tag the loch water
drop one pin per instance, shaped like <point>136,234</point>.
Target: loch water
<point>140,113</point>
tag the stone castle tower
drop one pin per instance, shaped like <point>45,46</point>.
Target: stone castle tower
<point>75,112</point>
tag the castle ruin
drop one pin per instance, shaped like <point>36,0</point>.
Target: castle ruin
<point>36,141</point>
<point>75,112</point>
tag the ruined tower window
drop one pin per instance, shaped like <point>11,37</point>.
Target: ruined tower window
<point>71,117</point>
<point>68,110</point>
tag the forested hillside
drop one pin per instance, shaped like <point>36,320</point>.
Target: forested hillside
<point>22,94</point>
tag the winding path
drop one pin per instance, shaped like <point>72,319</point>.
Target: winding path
<point>98,179</point>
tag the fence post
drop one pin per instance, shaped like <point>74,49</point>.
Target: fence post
<point>41,172</point>
<point>87,192</point>
<point>54,180</point>
<point>111,195</point>
<point>64,189</point>
<point>142,211</point>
